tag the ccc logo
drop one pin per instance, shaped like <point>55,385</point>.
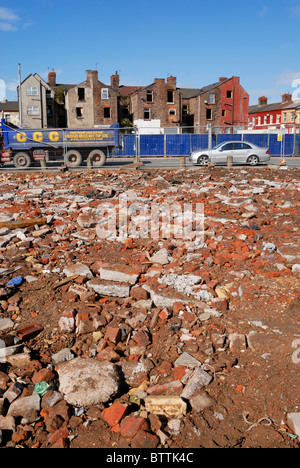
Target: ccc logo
<point>37,136</point>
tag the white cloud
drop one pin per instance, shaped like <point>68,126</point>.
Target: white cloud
<point>263,11</point>
<point>7,27</point>
<point>295,11</point>
<point>9,20</point>
<point>287,77</point>
<point>12,85</point>
<point>7,14</point>
<point>272,94</point>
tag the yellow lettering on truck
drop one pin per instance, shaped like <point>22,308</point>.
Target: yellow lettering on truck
<point>53,136</point>
<point>38,136</point>
<point>21,137</point>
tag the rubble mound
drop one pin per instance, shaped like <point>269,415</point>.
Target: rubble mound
<point>119,330</point>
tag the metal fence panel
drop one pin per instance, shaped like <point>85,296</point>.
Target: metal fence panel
<point>178,145</point>
<point>151,145</point>
<point>199,142</point>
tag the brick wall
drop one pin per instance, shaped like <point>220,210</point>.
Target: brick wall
<point>87,105</point>
<point>159,98</point>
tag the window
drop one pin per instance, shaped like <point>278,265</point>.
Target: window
<point>241,146</point>
<point>172,111</point>
<point>104,93</point>
<point>8,118</point>
<point>146,113</point>
<point>149,96</point>
<point>278,118</point>
<point>49,111</point>
<point>212,98</point>
<point>228,147</point>
<point>208,114</point>
<point>185,111</point>
<point>32,91</point>
<point>271,119</point>
<point>229,94</point>
<point>33,110</point>
<point>223,113</point>
<point>265,119</point>
<point>48,94</point>
<point>253,120</point>
<point>170,97</point>
<point>81,94</point>
<point>79,112</point>
<point>259,121</point>
<point>292,117</point>
<point>284,117</point>
<point>107,112</point>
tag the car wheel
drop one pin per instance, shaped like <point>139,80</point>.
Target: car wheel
<point>203,161</point>
<point>253,160</point>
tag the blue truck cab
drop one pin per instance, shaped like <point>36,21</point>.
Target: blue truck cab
<point>24,146</point>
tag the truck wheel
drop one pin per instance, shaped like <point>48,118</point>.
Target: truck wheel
<point>97,158</point>
<point>22,160</point>
<point>73,158</point>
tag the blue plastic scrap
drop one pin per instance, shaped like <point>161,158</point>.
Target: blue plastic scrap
<point>14,282</point>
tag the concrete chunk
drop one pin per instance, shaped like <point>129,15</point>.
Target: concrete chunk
<point>109,289</point>
<point>87,382</point>
<point>165,405</point>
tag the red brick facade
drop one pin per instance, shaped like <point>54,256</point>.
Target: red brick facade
<point>222,104</point>
<point>159,101</point>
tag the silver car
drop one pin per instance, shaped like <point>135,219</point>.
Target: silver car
<point>241,152</point>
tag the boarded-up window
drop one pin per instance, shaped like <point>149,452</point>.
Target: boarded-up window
<point>104,93</point>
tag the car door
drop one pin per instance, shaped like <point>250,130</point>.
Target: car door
<point>243,152</point>
<point>220,156</point>
<point>238,153</point>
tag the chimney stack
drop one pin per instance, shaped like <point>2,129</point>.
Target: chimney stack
<point>262,101</point>
<point>286,98</point>
<point>115,81</point>
<point>91,77</point>
<point>222,78</point>
<point>52,78</point>
<point>171,80</point>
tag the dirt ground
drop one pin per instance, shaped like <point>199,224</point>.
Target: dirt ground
<point>248,342</point>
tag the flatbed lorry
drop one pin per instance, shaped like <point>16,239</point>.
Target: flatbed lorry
<point>23,147</point>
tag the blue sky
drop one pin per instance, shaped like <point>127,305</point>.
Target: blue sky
<point>197,41</point>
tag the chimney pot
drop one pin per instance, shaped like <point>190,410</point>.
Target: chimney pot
<point>287,97</point>
<point>263,100</point>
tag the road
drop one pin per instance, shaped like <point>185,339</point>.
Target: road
<point>148,163</point>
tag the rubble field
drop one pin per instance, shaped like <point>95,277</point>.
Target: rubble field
<point>144,341</point>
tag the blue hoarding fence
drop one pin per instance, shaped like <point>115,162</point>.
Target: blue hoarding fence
<point>183,144</point>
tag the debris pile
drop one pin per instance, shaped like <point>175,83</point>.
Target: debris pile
<point>133,340</point>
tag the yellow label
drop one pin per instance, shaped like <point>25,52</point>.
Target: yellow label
<point>53,136</point>
<point>21,137</point>
<point>38,136</point>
